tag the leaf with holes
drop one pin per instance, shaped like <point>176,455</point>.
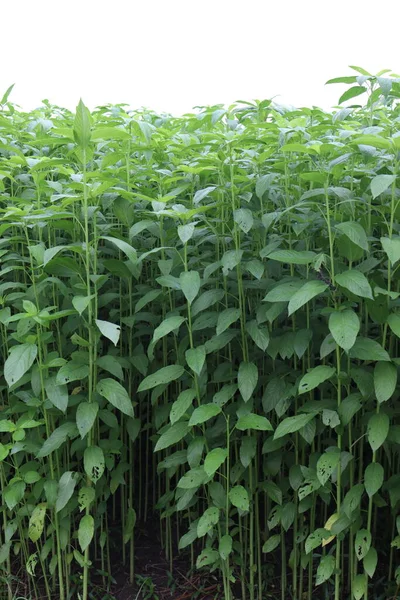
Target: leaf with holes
<point>315,377</point>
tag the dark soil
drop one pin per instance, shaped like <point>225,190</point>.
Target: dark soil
<point>151,565</point>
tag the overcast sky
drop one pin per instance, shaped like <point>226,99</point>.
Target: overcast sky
<point>171,55</point>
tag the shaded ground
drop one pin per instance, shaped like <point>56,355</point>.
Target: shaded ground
<point>154,580</point>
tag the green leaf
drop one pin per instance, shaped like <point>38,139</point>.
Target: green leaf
<point>393,321</point>
<point>6,94</point>
<point>195,358</point>
<point>57,394</point>
<point>326,464</point>
<point>315,377</point>
<point>377,430</point>
<point>385,381</point>
<point>293,257</point>
<point>344,326</point>
<point>182,404</point>
<point>214,460</point>
<point>20,360</point>
<point>193,479</point>
<point>392,248</point>
<point>72,371</point>
<point>359,586</point>
<point>190,284</point>
<point>126,248</point>
<point>161,377</point>
<point>93,463</point>
<point>259,335</point>
<point>373,478</point>
<point>283,292</point>
<point>85,531</point>
<point>306,293</point>
<point>325,569</point>
<point>174,434</point>
<point>367,349</point>
<point>239,497</point>
<point>355,282</point>
<point>111,364</point>
<point>370,562</point>
<point>82,126</point>
<point>168,325</point>
<point>362,543</point>
<point>292,424</point>
<point>80,303</point>
<point>381,183</point>
<point>315,539</point>
<point>57,438</point>
<point>272,543</point>
<point>355,232</point>
<point>36,522</point>
<point>86,414</point>
<point>247,379</point>
<point>109,330</point>
<point>243,217</point>
<point>207,521</point>
<point>203,413</point>
<point>129,525</point>
<point>116,395</point>
<point>207,557</point>
<point>226,318</point>
<point>352,92</point>
<point>185,232</point>
<point>225,546</point>
<point>253,421</point>
<point>66,486</point>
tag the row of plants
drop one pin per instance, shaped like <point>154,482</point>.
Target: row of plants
<point>199,320</point>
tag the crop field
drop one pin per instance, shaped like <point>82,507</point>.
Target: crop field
<point>199,333</point>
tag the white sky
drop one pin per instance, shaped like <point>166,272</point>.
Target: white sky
<point>171,55</point>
